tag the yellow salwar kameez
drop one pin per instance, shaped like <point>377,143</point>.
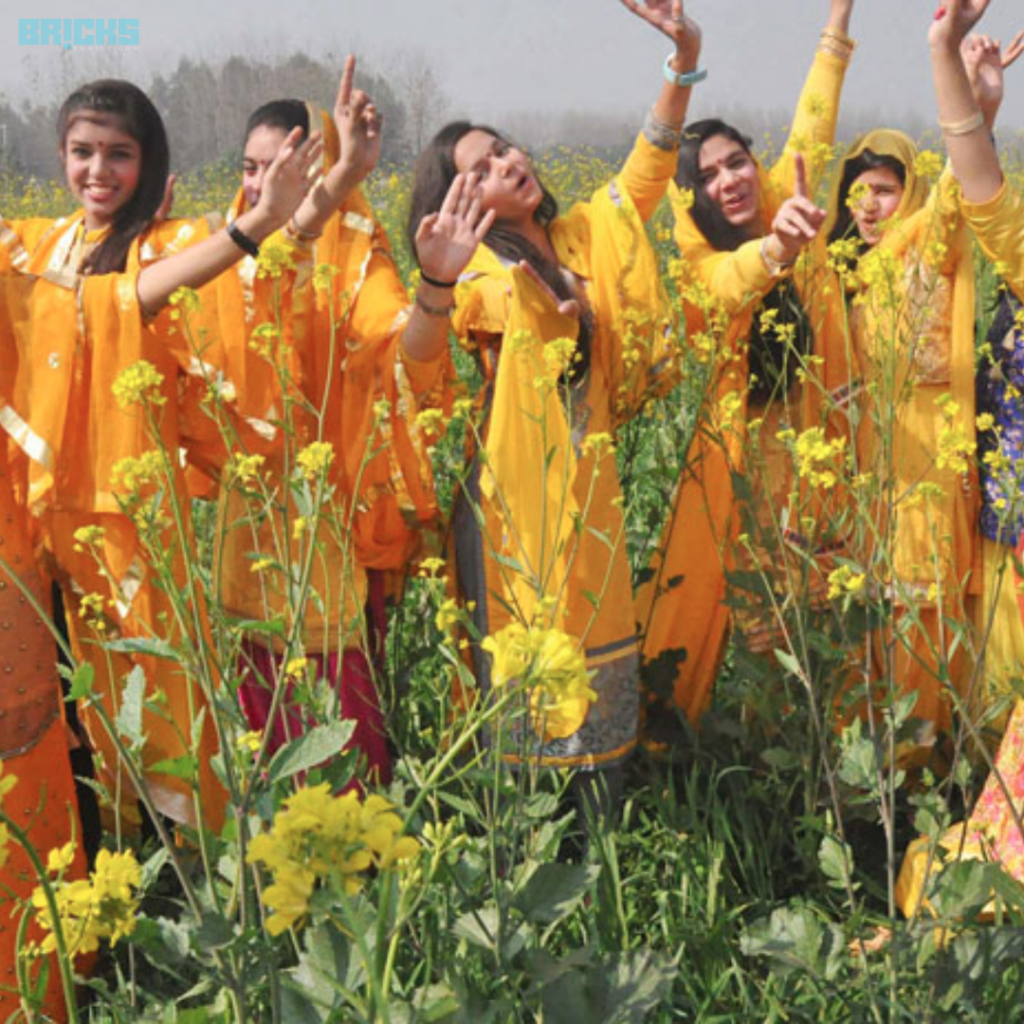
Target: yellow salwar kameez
<point>539,532</point>
<point>993,831</point>
<point>74,335</point>
<point>682,606</point>
<point>913,338</point>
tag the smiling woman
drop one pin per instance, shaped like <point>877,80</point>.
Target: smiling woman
<point>539,539</point>
<point>775,357</point>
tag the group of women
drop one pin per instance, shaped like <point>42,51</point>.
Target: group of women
<point>866,359</point>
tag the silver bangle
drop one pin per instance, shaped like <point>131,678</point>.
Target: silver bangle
<point>661,135</point>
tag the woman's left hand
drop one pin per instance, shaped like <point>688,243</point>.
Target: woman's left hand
<point>669,18</point>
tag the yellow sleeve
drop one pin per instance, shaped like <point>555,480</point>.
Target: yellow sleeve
<point>646,174</point>
<point>482,306</point>
<point>814,123</point>
<point>999,227</point>
<point>932,229</point>
<point>731,280</point>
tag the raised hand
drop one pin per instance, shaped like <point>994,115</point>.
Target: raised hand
<point>954,20</point>
<point>986,63</point>
<point>839,15</point>
<point>669,18</point>
<point>359,126</point>
<point>163,211</point>
<point>446,240</point>
<point>288,178</point>
<point>799,219</point>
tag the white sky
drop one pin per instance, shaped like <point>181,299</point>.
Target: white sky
<point>500,56</point>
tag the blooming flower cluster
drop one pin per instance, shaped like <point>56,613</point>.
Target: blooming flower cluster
<point>319,837</point>
<point>552,666</point>
<point>315,459</point>
<point>104,906</point>
<point>138,384</point>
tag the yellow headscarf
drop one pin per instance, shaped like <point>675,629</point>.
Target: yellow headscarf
<point>883,142</point>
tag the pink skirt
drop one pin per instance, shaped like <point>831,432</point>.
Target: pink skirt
<point>348,671</point>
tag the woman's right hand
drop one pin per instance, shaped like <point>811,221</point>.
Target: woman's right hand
<point>446,240</point>
<point>953,23</point>
<point>798,221</point>
<point>287,179</point>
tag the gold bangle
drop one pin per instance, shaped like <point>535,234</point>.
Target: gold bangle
<point>774,267</point>
<point>296,233</point>
<point>839,37</point>
<point>954,129</point>
<point>438,311</point>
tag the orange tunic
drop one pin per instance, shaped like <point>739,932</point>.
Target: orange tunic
<point>33,733</point>
<point>74,336</point>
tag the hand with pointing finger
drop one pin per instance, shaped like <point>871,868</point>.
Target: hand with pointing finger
<point>359,126</point>
<point>798,221</point>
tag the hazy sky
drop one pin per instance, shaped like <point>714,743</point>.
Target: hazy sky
<point>499,56</point>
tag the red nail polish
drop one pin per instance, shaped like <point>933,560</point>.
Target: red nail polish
<point>940,14</point>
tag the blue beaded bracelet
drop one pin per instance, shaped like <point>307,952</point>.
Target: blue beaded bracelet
<point>687,78</point>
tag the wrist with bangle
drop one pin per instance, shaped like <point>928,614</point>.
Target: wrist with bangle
<point>775,267</point>
<point>684,79</point>
<point>429,308</point>
<point>837,43</point>
<point>248,245</point>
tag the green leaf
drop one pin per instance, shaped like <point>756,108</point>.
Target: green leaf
<point>184,767</point>
<point>479,929</point>
<point>554,890</point>
<point>318,745</point>
<point>265,627</point>
<point>789,663</point>
<point>129,717</point>
<point>81,681</point>
<point>155,648</point>
<point>836,860</point>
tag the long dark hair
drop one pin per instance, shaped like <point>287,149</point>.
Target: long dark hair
<point>126,105</point>
<point>706,214</point>
<point>284,114</point>
<point>868,160</point>
<point>435,171</point>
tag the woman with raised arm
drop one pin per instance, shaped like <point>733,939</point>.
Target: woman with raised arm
<point>772,335</point>
<point>995,828</point>
<point>911,289</point>
<point>351,346</point>
<point>80,295</point>
<point>539,530</point>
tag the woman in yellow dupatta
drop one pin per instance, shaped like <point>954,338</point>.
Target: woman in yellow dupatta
<point>968,81</point>
<point>342,374</point>
<point>89,288</point>
<point>740,229</point>
<point>912,314</point>
<point>538,529</point>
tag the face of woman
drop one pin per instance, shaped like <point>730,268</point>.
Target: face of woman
<point>260,149</point>
<point>729,176</point>
<point>102,164</point>
<point>875,197</point>
<point>507,182</point>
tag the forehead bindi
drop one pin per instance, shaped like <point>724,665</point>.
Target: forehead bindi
<point>718,151</point>
<point>101,132</point>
